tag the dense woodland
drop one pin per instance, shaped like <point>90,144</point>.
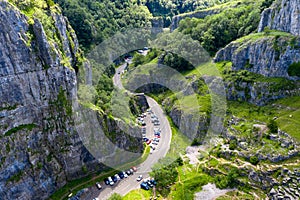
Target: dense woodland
<point>95,20</point>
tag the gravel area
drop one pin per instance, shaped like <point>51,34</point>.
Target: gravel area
<point>210,192</point>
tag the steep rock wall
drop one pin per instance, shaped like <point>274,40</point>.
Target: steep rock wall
<point>268,55</point>
<point>283,15</point>
<point>40,148</point>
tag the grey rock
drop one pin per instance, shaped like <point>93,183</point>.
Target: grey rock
<point>260,56</point>
<point>283,15</point>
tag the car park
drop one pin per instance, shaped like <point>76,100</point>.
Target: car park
<point>106,181</point>
<point>139,178</point>
<point>98,185</point>
<point>111,182</point>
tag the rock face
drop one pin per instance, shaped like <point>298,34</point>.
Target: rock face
<point>196,14</point>
<point>283,15</point>
<point>269,56</point>
<point>40,149</point>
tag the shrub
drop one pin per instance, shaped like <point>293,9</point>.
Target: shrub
<point>294,69</point>
<point>232,144</point>
<point>254,160</point>
<point>273,126</point>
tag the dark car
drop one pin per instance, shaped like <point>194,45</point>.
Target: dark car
<point>145,139</point>
<point>149,183</point>
<point>153,182</point>
<point>114,178</point>
<point>121,175</point>
<point>144,186</point>
<point>128,172</point>
<point>106,181</point>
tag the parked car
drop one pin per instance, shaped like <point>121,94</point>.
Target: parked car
<point>134,168</point>
<point>128,172</point>
<point>125,174</point>
<point>155,143</point>
<point>118,177</point>
<point>98,185</point>
<point>148,142</point>
<point>157,136</point>
<point>139,178</point>
<point>111,182</point>
<point>156,139</point>
<point>144,186</point>
<point>121,175</point>
<point>153,182</point>
<point>152,147</point>
<point>106,181</point>
<point>114,178</point>
<point>131,171</point>
<point>145,139</point>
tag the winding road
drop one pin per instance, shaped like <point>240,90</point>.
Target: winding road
<point>127,184</point>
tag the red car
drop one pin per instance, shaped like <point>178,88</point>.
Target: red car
<point>148,142</point>
<point>157,136</point>
<point>134,169</point>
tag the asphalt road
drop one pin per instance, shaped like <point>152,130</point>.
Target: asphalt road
<point>127,184</point>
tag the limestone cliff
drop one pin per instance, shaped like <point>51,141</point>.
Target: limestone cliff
<point>266,54</point>
<point>283,15</point>
<point>40,149</point>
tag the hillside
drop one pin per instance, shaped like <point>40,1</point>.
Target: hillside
<point>227,76</point>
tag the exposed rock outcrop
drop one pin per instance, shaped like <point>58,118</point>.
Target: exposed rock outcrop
<point>283,15</point>
<point>267,55</point>
<point>40,148</point>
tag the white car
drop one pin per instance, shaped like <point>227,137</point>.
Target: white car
<point>125,174</point>
<point>111,182</point>
<point>98,185</point>
<point>139,178</point>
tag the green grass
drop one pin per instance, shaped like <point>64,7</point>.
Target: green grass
<point>179,142</point>
<point>256,36</point>
<point>287,110</point>
<point>189,181</point>
<point>138,194</point>
<point>236,195</point>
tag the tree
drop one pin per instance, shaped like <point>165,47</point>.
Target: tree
<point>273,126</point>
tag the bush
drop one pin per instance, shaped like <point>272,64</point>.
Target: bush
<point>273,126</point>
<point>294,69</point>
<point>232,144</point>
<point>254,160</point>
